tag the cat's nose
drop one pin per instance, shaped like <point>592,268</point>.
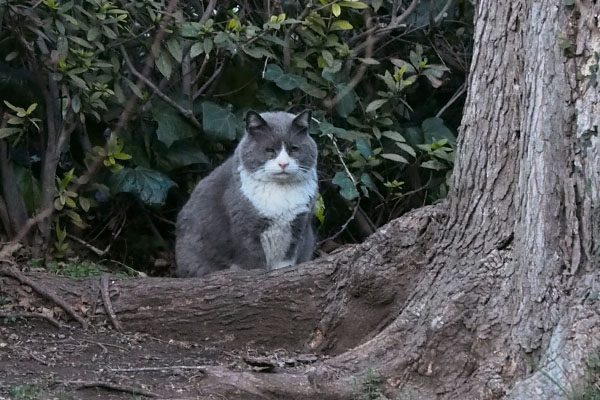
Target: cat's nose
<point>283,165</point>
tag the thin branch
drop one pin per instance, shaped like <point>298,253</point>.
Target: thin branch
<point>111,386</point>
<point>288,38</point>
<point>189,114</point>
<point>208,11</point>
<point>369,43</point>
<point>108,304</point>
<point>455,96</point>
<point>394,24</point>
<point>343,228</point>
<point>43,291</point>
<point>54,322</point>
<point>150,369</point>
<point>442,13</point>
<point>89,246</point>
<point>210,80</point>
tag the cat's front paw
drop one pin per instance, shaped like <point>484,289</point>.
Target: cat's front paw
<point>283,264</point>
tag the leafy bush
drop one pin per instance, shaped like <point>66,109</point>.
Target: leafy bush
<point>112,110</point>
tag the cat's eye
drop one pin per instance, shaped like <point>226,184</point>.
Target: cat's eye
<point>270,150</point>
<point>294,149</point>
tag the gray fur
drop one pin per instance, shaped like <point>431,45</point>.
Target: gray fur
<point>220,227</point>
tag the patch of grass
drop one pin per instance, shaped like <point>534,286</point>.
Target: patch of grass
<point>368,387</point>
<point>592,389</point>
<point>27,392</point>
<point>74,268</point>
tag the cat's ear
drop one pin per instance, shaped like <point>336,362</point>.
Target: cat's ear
<point>302,121</point>
<point>254,121</point>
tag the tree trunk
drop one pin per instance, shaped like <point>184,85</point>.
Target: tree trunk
<point>488,296</point>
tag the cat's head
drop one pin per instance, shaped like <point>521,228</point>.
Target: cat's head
<point>277,146</point>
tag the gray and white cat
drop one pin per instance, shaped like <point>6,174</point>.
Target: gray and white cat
<point>255,210</point>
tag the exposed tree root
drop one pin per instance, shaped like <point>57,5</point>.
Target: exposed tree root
<point>108,305</point>
<point>31,315</point>
<point>43,291</point>
<point>109,385</point>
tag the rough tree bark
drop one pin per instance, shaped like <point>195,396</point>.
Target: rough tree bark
<point>488,296</point>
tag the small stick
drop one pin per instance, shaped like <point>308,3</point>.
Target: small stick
<point>105,344</point>
<point>111,386</point>
<point>44,292</point>
<point>31,315</point>
<point>108,305</point>
<point>149,369</point>
<point>39,359</point>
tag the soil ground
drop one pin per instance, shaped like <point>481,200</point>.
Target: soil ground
<point>41,361</point>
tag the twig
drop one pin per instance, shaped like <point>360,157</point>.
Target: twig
<point>31,315</point>
<point>91,247</point>
<point>189,114</point>
<point>343,228</point>
<point>210,80</point>
<point>454,97</point>
<point>109,385</point>
<point>370,42</point>
<point>44,292</point>
<point>208,11</point>
<point>38,358</point>
<point>288,37</point>
<point>394,24</point>
<point>150,369</point>
<point>105,344</point>
<point>47,209</point>
<point>108,305</point>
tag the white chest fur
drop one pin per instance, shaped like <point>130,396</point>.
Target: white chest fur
<point>280,202</point>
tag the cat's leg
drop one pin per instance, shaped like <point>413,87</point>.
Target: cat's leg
<point>306,246</point>
<point>250,253</point>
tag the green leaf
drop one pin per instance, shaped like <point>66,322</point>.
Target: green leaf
<point>395,136</point>
<point>81,42</point>
<point>6,132</point>
<point>409,69</point>
<point>274,73</point>
<point>148,185</point>
<point>314,91</point>
<point>364,147</point>
<point>11,56</point>
<point>171,125</point>
<point>395,157</point>
<point>341,25</point>
<point>163,63</point>
<point>434,164</point>
<point>218,121</point>
<point>375,104</point>
<point>368,181</point>
<point>208,46</point>
<point>62,45</point>
<point>407,148</point>
<point>347,104</point>
<point>134,88</point>
<point>197,49</point>
<point>354,4</point>
<point>84,202</point>
<point>336,9</point>
<point>257,52</point>
<point>175,49</point>
<point>181,154</point>
<point>434,129</point>
<point>347,189</point>
<point>327,129</point>
<point>77,81</point>
<point>76,103</point>
<point>93,34</point>
<point>29,187</point>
